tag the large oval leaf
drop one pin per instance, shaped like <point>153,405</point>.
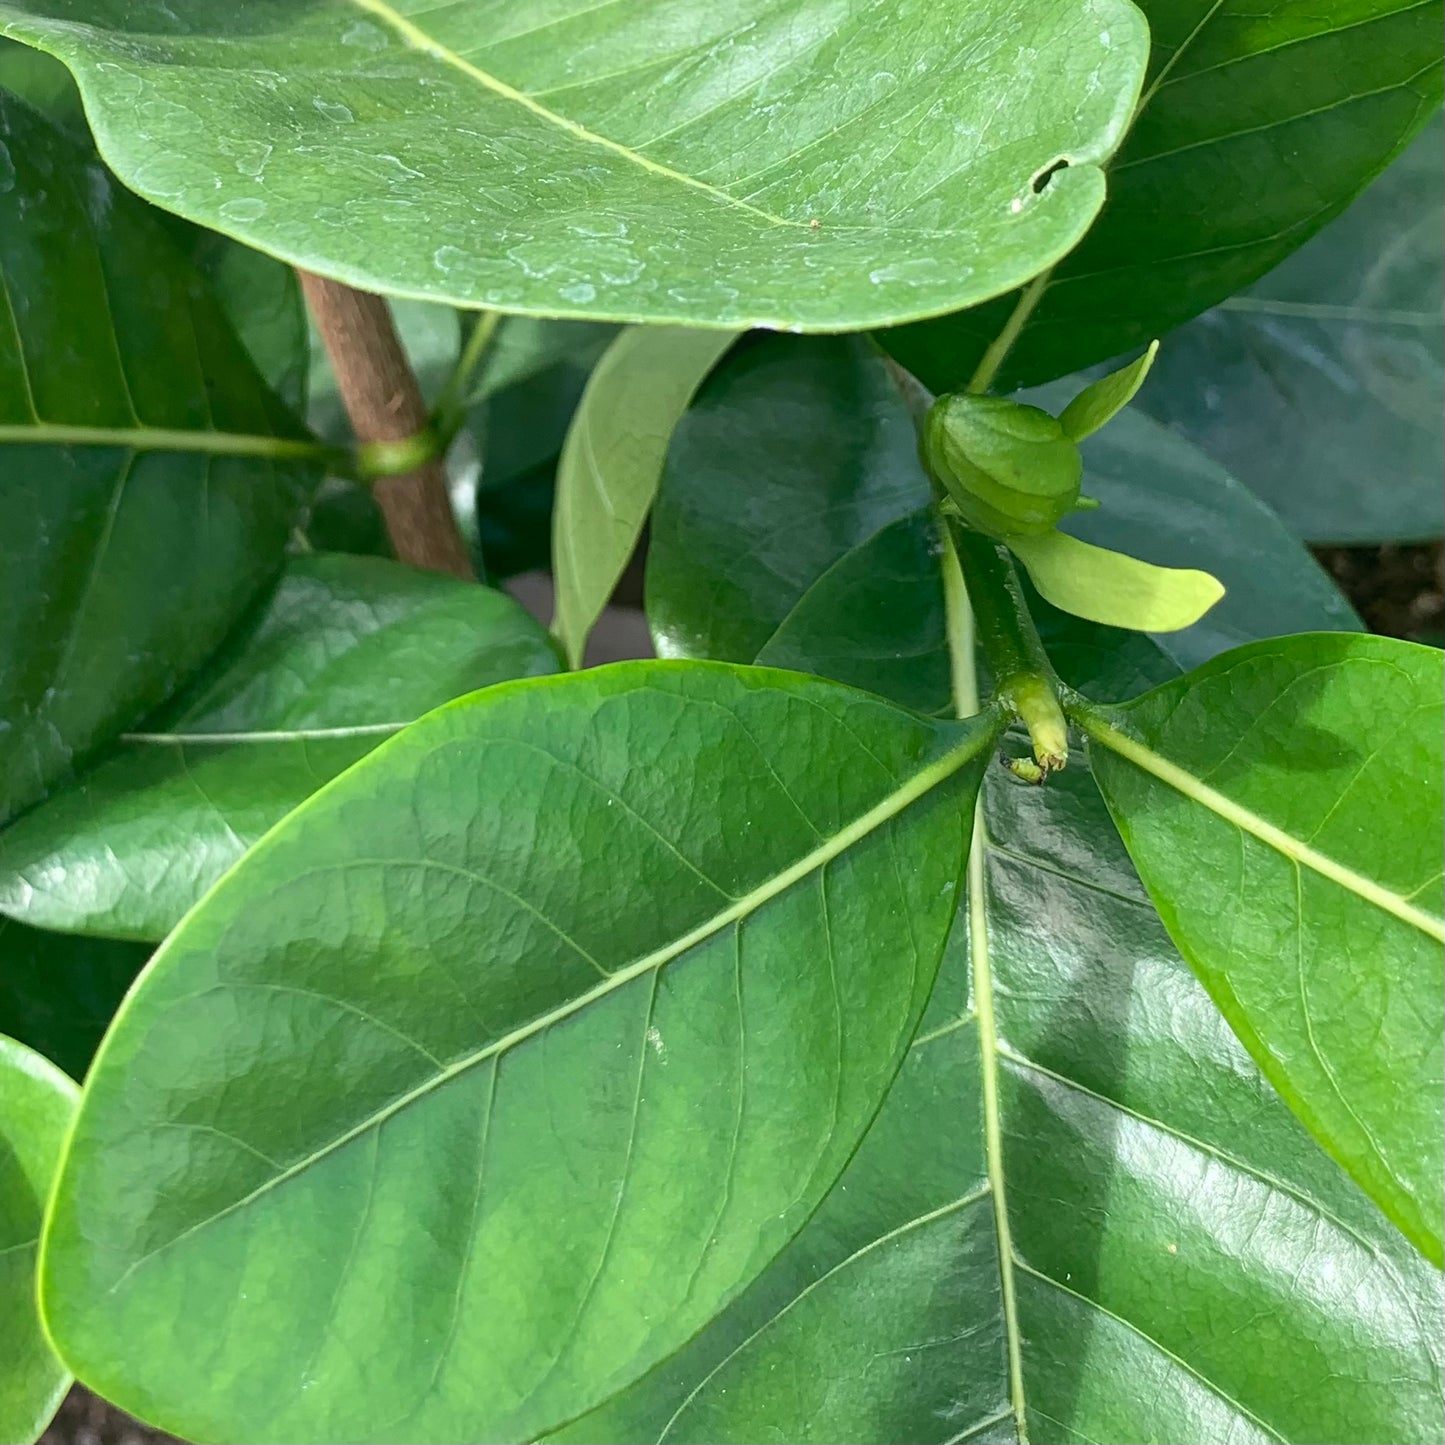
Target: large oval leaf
<point>752,164</point>
<point>38,1102</point>
<point>1186,1264</point>
<point>485,1079</point>
<point>150,479</point>
<point>1252,132</point>
<point>1281,804</point>
<point>346,653</point>
<point>1323,386</point>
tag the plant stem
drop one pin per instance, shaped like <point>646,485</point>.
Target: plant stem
<point>384,402</point>
<point>1023,675</point>
<point>451,406</point>
<point>1002,344</point>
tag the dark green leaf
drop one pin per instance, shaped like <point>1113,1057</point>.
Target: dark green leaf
<point>753,164</point>
<point>1186,1264</point>
<point>1255,128</point>
<point>150,479</point>
<point>1323,386</point>
<point>526,346</point>
<point>58,993</point>
<point>38,1104</point>
<point>794,452</point>
<point>413,1061</point>
<point>346,653</point>
<point>1281,805</point>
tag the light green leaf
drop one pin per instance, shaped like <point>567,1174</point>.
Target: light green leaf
<point>1281,804</point>
<point>38,1102</point>
<point>1253,130</point>
<point>1187,1265</point>
<point>1101,401</point>
<point>150,478</point>
<point>1101,585</point>
<point>58,993</point>
<point>553,1117</point>
<point>612,461</point>
<point>759,163</point>
<point>1323,386</point>
<point>347,652</point>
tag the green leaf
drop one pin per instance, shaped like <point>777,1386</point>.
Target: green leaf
<point>551,1116</point>
<point>526,346</point>
<point>815,432</point>
<point>1254,129</point>
<point>1323,384</point>
<point>1102,585</point>
<point>150,479</point>
<point>1281,804</point>
<point>39,1102</point>
<point>347,652</point>
<point>612,462</point>
<point>1186,1264</point>
<point>1101,401</point>
<point>58,993</point>
<point>754,164</point>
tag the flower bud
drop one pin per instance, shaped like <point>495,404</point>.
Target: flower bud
<point>1009,469</point>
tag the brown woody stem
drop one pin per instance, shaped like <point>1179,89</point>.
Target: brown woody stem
<point>385,405</point>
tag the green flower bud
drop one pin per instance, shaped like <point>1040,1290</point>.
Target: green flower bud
<point>1009,469</point>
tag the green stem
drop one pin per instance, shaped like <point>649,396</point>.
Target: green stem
<point>1023,675</point>
<point>451,405</point>
<point>161,439</point>
<point>1002,344</point>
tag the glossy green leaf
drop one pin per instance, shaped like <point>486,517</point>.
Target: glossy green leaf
<point>551,1116</point>
<point>346,653</point>
<point>1254,129</point>
<point>58,993</point>
<point>526,346</point>
<point>1281,805</point>
<point>1102,400</point>
<point>1101,585</point>
<point>37,1102</point>
<point>795,451</point>
<point>612,462</point>
<point>1323,386</point>
<point>753,164</point>
<point>150,479</point>
<point>1186,1264</point>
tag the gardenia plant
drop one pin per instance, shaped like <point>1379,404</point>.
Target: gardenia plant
<point>980,982</point>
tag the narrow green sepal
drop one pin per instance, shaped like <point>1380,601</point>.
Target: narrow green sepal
<point>1101,401</point>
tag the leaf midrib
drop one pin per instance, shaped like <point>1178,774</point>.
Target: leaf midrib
<point>418,39</point>
<point>896,802</point>
<point>1297,851</point>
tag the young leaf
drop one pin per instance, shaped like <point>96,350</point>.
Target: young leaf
<point>347,652</point>
<point>412,1060</point>
<point>759,164</point>
<point>612,461</point>
<point>38,1102</point>
<point>1325,380</point>
<point>58,993</point>
<point>1265,799</point>
<point>151,479</point>
<point>1101,585</point>
<point>1101,401</point>
<point>1186,1264</point>
<point>1251,133</point>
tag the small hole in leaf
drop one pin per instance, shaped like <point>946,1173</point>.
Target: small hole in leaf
<point>1048,173</point>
